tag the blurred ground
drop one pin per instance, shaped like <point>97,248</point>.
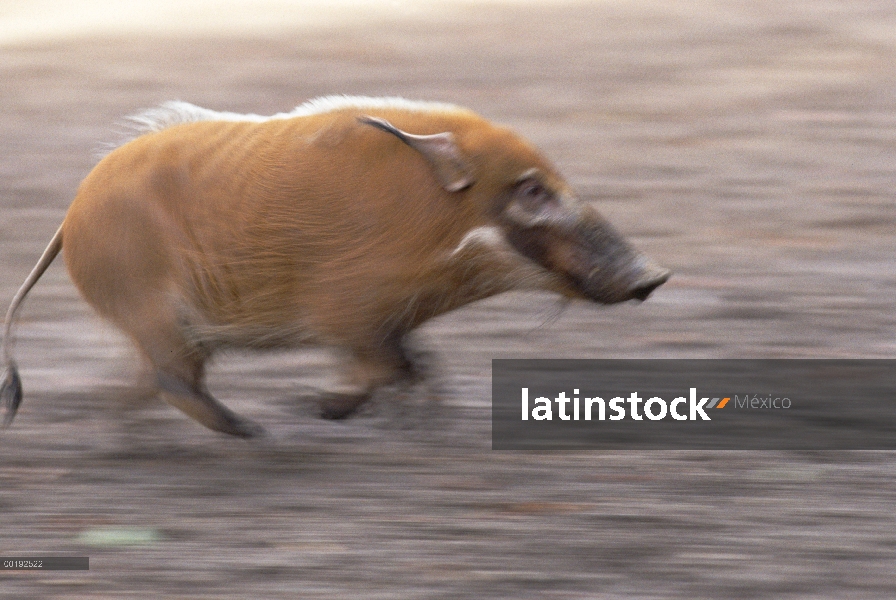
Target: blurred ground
<point>749,146</point>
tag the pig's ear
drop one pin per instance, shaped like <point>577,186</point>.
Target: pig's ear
<point>440,150</point>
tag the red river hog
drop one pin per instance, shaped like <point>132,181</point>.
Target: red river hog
<point>346,222</point>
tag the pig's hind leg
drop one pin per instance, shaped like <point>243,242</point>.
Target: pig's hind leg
<point>179,368</point>
<point>193,399</point>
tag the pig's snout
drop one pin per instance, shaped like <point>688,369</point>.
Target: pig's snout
<point>653,277</point>
<point>633,277</point>
<point>605,267</point>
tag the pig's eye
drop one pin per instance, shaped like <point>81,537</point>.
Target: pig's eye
<point>532,195</point>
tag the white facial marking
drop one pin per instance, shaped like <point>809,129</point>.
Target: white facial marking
<point>532,173</point>
<point>488,236</point>
<point>492,264</point>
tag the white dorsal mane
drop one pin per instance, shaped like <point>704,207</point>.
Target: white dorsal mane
<point>177,112</point>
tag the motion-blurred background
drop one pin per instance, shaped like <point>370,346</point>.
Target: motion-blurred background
<point>746,145</point>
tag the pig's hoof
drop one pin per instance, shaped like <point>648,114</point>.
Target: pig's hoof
<point>244,428</point>
<point>340,406</point>
<point>251,429</point>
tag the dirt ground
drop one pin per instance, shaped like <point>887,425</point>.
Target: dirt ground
<point>748,146</point>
